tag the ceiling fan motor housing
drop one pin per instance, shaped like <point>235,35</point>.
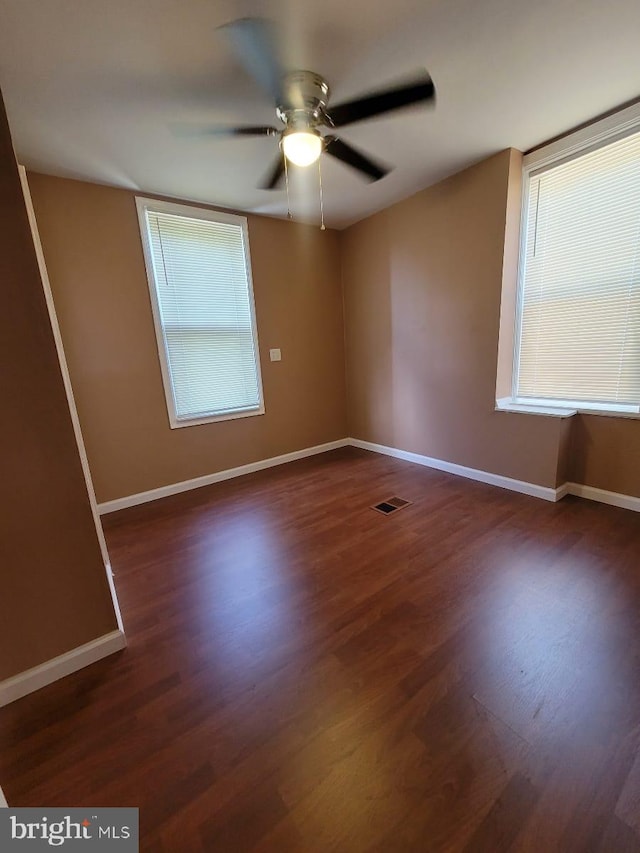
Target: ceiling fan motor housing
<point>305,96</point>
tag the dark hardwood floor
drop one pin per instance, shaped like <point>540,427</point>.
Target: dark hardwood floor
<point>306,674</point>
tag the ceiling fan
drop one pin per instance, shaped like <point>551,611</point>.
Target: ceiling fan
<point>302,105</point>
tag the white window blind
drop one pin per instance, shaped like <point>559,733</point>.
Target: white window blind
<point>200,281</point>
<point>579,336</point>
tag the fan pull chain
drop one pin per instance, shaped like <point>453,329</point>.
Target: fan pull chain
<point>286,180</point>
<point>322,228</point>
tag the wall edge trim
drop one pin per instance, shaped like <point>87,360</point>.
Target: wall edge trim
<point>219,476</point>
<point>66,379</point>
<point>14,688</point>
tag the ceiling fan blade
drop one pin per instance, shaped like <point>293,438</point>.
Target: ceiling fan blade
<point>253,41</point>
<point>194,130</point>
<point>417,91</point>
<point>339,149</point>
<point>274,176</point>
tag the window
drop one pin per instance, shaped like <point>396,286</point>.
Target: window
<point>199,274</point>
<point>578,325</point>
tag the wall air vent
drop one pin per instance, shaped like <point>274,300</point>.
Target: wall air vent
<point>390,505</point>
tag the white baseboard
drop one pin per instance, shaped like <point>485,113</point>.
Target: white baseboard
<point>3,801</point>
<point>533,489</point>
<point>39,676</point>
<point>544,492</point>
<point>219,476</point>
<point>603,496</point>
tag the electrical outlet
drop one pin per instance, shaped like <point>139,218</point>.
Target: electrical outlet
<point>275,355</point>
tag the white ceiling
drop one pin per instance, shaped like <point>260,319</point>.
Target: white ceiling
<point>92,87</point>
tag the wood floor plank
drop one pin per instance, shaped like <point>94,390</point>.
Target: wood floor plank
<point>502,824</point>
<point>304,674</point>
<point>628,805</point>
<point>617,837</point>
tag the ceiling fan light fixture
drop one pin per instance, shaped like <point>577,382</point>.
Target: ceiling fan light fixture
<point>302,147</point>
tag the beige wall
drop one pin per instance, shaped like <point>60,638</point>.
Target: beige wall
<point>94,257</point>
<point>428,284</point>
<point>54,594</point>
<point>422,283</point>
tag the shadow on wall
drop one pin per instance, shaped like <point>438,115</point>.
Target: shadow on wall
<point>605,453</point>
<point>368,335</point>
<point>579,445</point>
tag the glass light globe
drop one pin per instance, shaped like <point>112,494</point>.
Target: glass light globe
<point>302,147</point>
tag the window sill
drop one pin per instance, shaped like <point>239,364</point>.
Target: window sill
<point>506,404</point>
<point>174,423</point>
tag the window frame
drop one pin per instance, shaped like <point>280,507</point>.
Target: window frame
<point>143,204</point>
<point>591,137</point>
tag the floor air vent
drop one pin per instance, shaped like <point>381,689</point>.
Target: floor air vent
<point>390,505</point>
